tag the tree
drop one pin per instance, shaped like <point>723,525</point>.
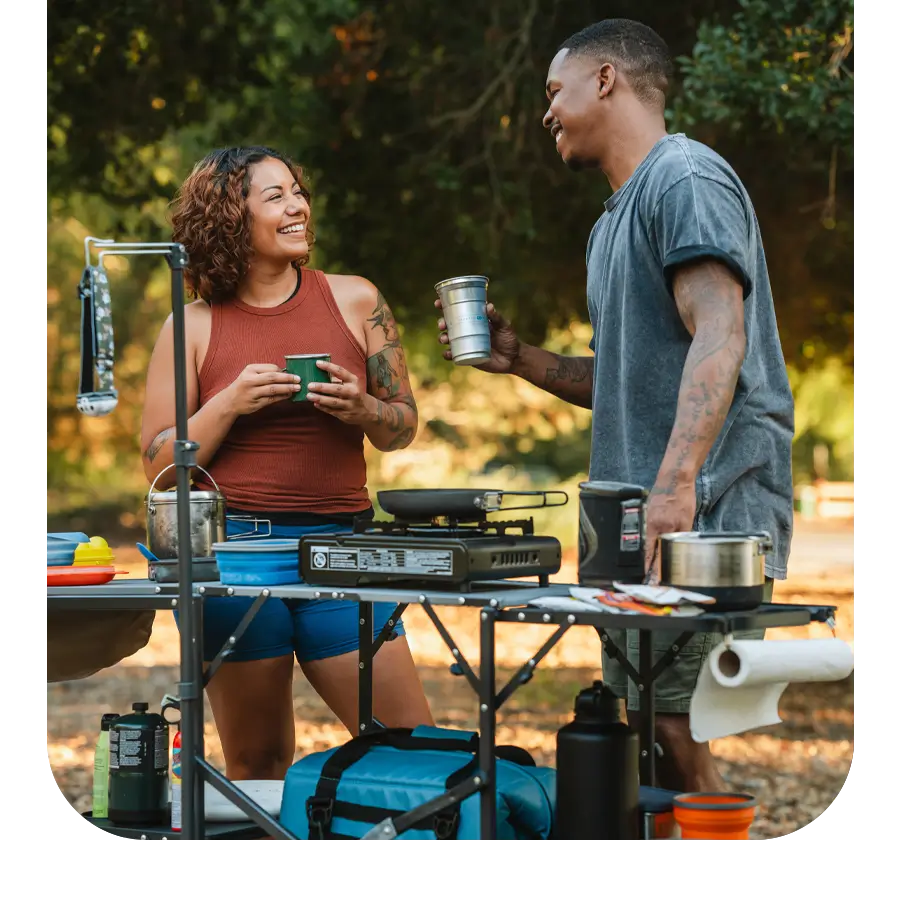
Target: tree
<point>772,88</point>
<point>420,127</point>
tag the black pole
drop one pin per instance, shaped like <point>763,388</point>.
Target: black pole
<point>647,708</point>
<point>190,690</point>
<point>366,662</point>
<point>487,727</point>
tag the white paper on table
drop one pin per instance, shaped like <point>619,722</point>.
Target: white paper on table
<point>567,604</point>
<point>662,595</point>
<point>589,595</point>
<point>739,686</point>
<point>585,595</point>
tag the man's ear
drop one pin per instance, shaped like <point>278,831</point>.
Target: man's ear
<point>606,79</point>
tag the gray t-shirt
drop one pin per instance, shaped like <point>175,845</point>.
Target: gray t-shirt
<point>683,203</point>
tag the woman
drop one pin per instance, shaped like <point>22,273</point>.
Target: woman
<point>244,217</point>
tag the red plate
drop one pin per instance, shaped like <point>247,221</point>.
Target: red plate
<point>61,576</point>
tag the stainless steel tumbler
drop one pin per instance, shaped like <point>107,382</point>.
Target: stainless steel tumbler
<point>464,300</point>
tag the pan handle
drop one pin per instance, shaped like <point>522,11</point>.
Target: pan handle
<point>492,501</point>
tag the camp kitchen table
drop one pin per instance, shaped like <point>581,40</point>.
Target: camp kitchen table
<point>497,601</point>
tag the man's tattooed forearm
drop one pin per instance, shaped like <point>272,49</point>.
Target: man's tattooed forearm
<point>569,369</point>
<point>158,443</point>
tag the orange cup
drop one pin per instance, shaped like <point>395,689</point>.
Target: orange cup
<point>717,817</point>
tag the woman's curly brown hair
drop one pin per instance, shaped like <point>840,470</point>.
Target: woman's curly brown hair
<point>210,217</point>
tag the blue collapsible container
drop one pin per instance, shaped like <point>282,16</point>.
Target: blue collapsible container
<point>258,563</point>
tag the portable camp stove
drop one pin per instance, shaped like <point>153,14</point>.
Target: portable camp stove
<point>451,550</point>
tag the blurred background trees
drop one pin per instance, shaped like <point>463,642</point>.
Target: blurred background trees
<point>419,128</point>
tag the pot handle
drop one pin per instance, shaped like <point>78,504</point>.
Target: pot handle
<point>172,466</point>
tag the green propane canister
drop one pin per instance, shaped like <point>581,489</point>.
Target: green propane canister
<point>139,768</point>
<point>100,796</point>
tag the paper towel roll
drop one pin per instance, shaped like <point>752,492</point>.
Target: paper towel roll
<point>739,686</point>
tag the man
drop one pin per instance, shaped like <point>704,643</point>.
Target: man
<point>687,384</point>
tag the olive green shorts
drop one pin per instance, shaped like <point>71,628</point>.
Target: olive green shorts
<point>675,684</point>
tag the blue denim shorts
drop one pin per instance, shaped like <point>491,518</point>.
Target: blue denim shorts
<point>310,629</point>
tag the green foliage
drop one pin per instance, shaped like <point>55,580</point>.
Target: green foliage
<point>419,126</point>
<point>823,415</point>
<point>785,67</point>
<point>772,90</point>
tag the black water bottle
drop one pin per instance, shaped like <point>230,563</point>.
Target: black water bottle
<point>597,774</point>
<point>139,768</point>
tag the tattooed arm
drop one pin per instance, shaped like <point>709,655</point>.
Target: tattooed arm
<point>383,406</point>
<point>570,378</point>
<point>387,382</point>
<point>207,425</point>
<point>710,302</point>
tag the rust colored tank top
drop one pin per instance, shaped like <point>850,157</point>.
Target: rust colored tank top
<point>288,457</point>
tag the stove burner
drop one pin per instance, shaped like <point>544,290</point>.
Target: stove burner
<point>447,550</point>
<point>445,528</point>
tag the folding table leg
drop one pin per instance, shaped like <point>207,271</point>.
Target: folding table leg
<point>487,727</point>
<point>366,639</point>
<point>647,700</point>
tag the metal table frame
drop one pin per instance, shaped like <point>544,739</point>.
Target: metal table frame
<point>504,602</point>
<point>497,602</point>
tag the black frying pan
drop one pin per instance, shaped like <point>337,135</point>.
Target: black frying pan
<point>465,505</point>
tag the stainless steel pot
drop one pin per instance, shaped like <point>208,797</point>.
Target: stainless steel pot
<point>727,565</point>
<point>207,510</point>
<point>207,520</point>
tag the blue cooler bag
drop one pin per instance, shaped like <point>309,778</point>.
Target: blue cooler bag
<point>342,793</point>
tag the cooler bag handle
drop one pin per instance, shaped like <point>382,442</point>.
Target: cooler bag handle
<point>323,806</point>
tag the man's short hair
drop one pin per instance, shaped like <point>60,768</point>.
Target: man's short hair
<point>634,48</point>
